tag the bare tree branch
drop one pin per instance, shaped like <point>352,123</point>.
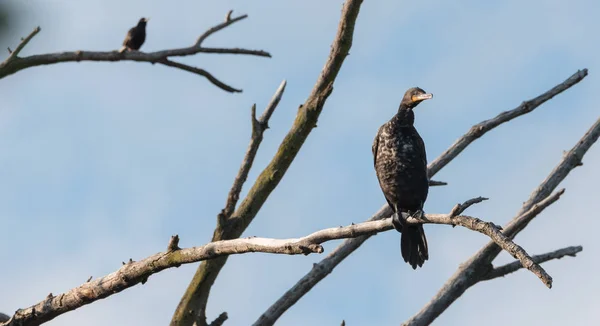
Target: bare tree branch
<point>433,183</point>
<point>516,265</point>
<point>258,128</point>
<point>481,128</point>
<point>13,54</point>
<point>326,266</point>
<point>478,265</point>
<point>228,21</point>
<point>14,63</point>
<point>192,307</point>
<point>200,72</point>
<point>223,316</point>
<point>133,273</point>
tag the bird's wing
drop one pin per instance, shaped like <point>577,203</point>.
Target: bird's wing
<point>375,145</point>
<point>422,152</point>
<point>128,36</point>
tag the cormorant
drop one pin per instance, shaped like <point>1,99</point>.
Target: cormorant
<point>401,167</point>
<point>136,36</point>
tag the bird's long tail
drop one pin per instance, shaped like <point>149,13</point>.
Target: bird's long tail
<point>413,242</point>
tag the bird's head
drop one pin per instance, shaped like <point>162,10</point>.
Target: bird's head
<point>143,21</point>
<point>414,96</point>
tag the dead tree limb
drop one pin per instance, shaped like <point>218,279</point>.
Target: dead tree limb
<point>326,266</point>
<point>192,306</point>
<point>516,265</point>
<point>15,63</point>
<point>477,266</point>
<point>133,273</point>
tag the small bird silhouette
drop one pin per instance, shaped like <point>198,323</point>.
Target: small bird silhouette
<point>136,36</point>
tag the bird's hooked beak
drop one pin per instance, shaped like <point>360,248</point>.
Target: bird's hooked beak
<point>421,97</point>
<point>146,19</point>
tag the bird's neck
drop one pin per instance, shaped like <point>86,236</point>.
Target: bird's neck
<point>405,116</point>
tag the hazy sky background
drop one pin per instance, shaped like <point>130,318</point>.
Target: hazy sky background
<point>102,162</point>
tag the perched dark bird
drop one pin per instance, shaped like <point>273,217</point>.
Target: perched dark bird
<point>401,167</point>
<point>136,36</point>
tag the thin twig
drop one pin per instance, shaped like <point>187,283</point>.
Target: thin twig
<point>258,128</point>
<point>478,265</point>
<point>481,128</point>
<point>433,183</point>
<point>196,296</point>
<point>228,21</point>
<point>516,265</point>
<point>200,72</point>
<point>13,54</point>
<point>326,266</point>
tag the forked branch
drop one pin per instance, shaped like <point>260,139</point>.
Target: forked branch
<point>14,63</point>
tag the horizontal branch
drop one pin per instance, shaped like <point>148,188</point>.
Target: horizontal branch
<point>539,259</point>
<point>133,273</point>
<point>14,63</point>
<point>326,266</point>
<point>200,72</point>
<point>433,183</point>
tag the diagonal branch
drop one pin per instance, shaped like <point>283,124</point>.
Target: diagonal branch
<point>192,307</point>
<point>228,21</point>
<point>481,128</point>
<point>14,63</point>
<point>200,72</point>
<point>13,54</point>
<point>258,128</point>
<point>478,265</point>
<point>516,265</point>
<point>326,266</point>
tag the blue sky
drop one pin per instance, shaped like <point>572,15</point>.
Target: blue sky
<point>102,162</point>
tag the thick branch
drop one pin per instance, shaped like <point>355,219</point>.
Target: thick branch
<point>132,273</point>
<point>326,266</point>
<point>258,128</point>
<point>478,265</point>
<point>14,63</point>
<point>194,300</point>
<point>516,265</point>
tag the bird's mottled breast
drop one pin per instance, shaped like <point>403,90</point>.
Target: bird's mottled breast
<point>401,163</point>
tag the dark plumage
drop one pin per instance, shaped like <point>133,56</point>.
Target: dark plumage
<point>401,167</point>
<point>136,36</point>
